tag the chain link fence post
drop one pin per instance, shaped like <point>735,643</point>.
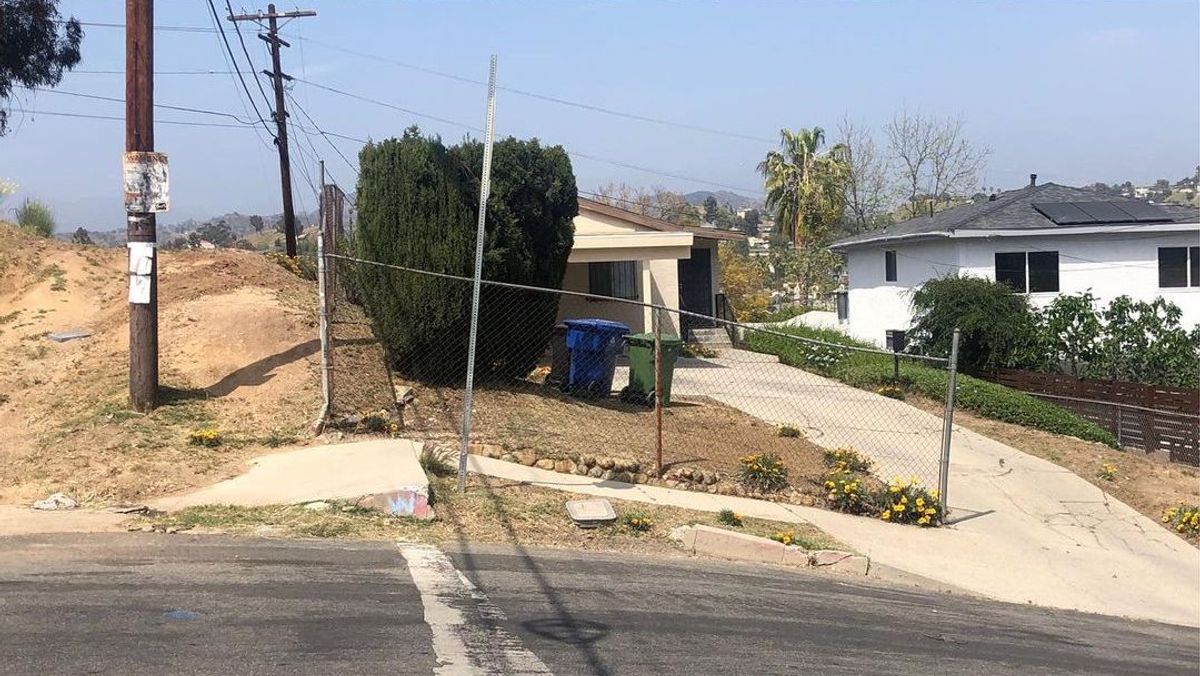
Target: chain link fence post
<point>658,393</point>
<point>323,293</point>
<point>485,186</point>
<point>948,423</point>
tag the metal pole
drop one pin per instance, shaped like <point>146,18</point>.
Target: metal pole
<point>1119,424</point>
<point>948,424</point>
<point>323,298</point>
<point>141,227</point>
<point>484,188</point>
<point>658,388</point>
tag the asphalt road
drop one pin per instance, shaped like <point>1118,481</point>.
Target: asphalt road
<point>180,604</point>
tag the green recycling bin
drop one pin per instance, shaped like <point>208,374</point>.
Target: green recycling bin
<point>641,367</point>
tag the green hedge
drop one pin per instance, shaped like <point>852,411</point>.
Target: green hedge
<point>868,371</point>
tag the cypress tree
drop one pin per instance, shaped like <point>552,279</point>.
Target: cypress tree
<point>418,207</point>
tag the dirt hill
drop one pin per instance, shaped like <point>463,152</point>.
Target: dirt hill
<point>238,353</point>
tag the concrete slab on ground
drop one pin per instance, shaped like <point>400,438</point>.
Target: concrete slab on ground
<point>388,468</point>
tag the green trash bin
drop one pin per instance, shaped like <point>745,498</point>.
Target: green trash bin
<point>641,367</point>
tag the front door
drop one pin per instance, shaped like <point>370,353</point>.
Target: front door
<point>695,290</point>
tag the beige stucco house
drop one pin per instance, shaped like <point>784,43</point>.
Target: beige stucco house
<point>627,255</point>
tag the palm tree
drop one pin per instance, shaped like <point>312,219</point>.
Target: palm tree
<point>803,186</point>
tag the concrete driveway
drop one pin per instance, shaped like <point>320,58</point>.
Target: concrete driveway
<point>1024,529</point>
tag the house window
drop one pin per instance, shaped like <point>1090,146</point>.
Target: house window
<point>1178,266</point>
<point>618,279</point>
<point>1033,272</point>
<point>889,266</point>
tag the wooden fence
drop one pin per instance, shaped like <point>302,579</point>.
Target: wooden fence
<point>1149,417</point>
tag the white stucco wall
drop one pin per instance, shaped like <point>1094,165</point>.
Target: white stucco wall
<point>1110,265</point>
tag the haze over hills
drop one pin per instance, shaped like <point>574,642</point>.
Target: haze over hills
<point>733,199</point>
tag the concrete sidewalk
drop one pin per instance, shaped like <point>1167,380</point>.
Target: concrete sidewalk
<point>1027,529</point>
<point>382,467</point>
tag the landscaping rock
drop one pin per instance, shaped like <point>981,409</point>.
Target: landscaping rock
<point>605,463</point>
<point>807,501</point>
<point>640,478</point>
<point>607,474</point>
<point>564,466</point>
<point>587,460</point>
<point>698,476</point>
<point>545,463</point>
<point>56,502</point>
<point>527,458</point>
<point>711,478</point>
<point>509,457</point>
<point>625,477</point>
<point>581,470</point>
<point>317,506</point>
<point>595,472</point>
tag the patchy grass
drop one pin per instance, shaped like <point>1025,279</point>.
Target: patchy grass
<point>490,511</point>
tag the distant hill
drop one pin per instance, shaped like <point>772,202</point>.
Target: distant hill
<point>723,197</point>
<point>239,223</point>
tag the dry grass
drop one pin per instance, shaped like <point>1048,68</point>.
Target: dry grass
<point>490,511</point>
<point>1147,484</point>
<point>237,352</point>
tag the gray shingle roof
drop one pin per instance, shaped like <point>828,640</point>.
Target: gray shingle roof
<point>1011,210</point>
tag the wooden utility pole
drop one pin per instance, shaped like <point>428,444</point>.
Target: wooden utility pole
<point>280,115</point>
<point>140,220</point>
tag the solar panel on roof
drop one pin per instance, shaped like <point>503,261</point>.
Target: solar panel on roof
<point>1063,213</point>
<point>1104,212</point>
<point>1142,212</point>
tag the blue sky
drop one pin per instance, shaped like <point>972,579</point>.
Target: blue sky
<point>1074,91</point>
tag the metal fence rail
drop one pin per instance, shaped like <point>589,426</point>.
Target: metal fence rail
<point>532,403</point>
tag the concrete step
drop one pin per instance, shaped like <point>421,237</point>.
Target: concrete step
<point>716,336</point>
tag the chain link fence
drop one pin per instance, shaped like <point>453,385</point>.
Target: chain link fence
<point>589,397</point>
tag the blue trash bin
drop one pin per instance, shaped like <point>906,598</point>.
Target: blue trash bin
<point>594,345</point>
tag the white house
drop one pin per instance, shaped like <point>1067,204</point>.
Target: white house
<point>1044,240</point>
<point>626,255</point>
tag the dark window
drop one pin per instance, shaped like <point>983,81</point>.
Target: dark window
<point>1173,266</point>
<point>1010,269</point>
<point>889,266</point>
<point>1043,271</point>
<point>1194,261</point>
<point>618,279</point>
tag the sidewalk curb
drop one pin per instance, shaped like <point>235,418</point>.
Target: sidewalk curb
<point>727,544</point>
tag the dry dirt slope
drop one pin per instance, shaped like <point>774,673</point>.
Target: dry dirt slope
<point>238,348</point>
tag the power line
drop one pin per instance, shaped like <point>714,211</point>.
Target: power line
<point>470,127</point>
<point>168,29</point>
<point>320,131</point>
<point>249,61</point>
<point>217,20</point>
<point>122,119</point>
<point>546,97</point>
<point>114,99</point>
<point>157,72</point>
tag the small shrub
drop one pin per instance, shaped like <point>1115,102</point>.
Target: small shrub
<point>35,218</point>
<point>729,518</point>
<point>376,422</point>
<point>891,392</point>
<point>763,472</point>
<point>637,522</point>
<point>304,267</point>
<point>277,438</point>
<point>698,350</point>
<point>846,493</point>
<point>1108,472</point>
<point>789,432</point>
<point>208,437</point>
<point>1183,519</point>
<point>910,502</point>
<point>846,460</point>
<point>436,464</point>
<point>786,537</point>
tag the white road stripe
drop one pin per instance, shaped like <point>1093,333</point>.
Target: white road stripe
<point>467,636</point>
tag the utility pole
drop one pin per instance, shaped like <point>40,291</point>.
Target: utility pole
<point>141,231</point>
<point>280,115</point>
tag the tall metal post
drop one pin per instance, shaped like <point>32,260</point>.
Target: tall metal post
<point>323,299</point>
<point>658,391</point>
<point>485,186</point>
<point>948,423</point>
<point>141,228</point>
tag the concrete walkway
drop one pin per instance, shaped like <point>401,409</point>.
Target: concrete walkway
<point>1027,530</point>
<point>334,472</point>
